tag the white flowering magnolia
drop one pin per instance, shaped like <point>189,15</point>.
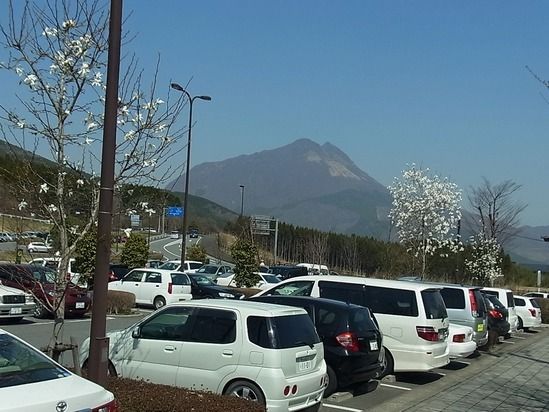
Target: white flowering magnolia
<point>57,52</point>
<point>425,212</point>
<point>484,266</point>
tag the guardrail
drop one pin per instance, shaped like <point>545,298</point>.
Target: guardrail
<point>26,218</point>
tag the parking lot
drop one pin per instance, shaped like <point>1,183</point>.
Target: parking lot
<point>513,376</point>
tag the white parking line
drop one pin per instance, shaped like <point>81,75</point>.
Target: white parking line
<point>519,337</point>
<point>438,373</point>
<point>510,343</point>
<point>395,386</point>
<point>343,408</point>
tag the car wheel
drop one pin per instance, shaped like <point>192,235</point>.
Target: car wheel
<point>332,382</point>
<point>388,364</point>
<point>40,312</point>
<point>158,302</point>
<point>520,324</point>
<point>31,250</point>
<point>245,390</point>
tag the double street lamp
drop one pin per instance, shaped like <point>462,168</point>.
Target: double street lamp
<point>191,100</point>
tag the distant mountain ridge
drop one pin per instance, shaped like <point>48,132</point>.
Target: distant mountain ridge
<point>302,183</point>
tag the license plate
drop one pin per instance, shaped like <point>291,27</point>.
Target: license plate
<point>305,365</point>
<point>373,345</point>
<point>80,305</point>
<point>15,311</point>
<point>480,328</point>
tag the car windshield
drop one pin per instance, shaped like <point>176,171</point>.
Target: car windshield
<point>169,265</point>
<point>207,269</point>
<point>202,280</point>
<point>20,364</point>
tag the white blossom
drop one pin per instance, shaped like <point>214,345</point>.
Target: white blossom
<point>130,135</point>
<point>21,124</point>
<point>31,80</point>
<point>19,71</point>
<point>44,188</point>
<point>88,141</point>
<point>84,69</point>
<point>49,32</point>
<point>97,79</point>
<point>68,24</point>
<point>79,182</point>
<point>159,101</point>
<point>22,205</point>
<point>92,125</point>
<point>73,230</point>
<point>425,211</point>
<point>52,208</point>
<point>484,266</point>
<point>144,205</point>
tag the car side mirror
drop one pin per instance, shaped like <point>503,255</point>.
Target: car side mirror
<point>136,333</point>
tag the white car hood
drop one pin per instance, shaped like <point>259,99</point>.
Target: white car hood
<point>78,393</point>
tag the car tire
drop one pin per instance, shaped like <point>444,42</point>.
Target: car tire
<point>246,390</point>
<point>520,324</point>
<point>332,382</point>
<point>387,365</point>
<point>40,312</point>
<point>159,302</point>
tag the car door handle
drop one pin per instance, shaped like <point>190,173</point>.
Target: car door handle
<point>169,348</point>
<point>227,352</point>
<point>157,286</point>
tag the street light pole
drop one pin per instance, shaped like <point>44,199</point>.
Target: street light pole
<point>241,200</point>
<point>186,196</point>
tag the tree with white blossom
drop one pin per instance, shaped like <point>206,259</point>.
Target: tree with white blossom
<point>484,265</point>
<point>425,212</point>
<point>57,51</point>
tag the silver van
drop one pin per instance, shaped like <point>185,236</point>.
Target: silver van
<point>465,306</point>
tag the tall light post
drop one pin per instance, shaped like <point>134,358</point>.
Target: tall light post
<point>185,199</point>
<point>241,200</point>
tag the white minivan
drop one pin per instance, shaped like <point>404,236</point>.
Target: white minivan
<point>412,316</point>
<point>505,296</point>
<point>267,353</point>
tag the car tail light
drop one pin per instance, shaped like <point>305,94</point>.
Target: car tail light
<point>474,305</point>
<point>459,338</point>
<point>428,333</point>
<point>349,341</point>
<point>287,390</point>
<point>112,406</point>
<point>532,312</point>
<point>294,389</point>
<point>170,287</point>
<point>112,276</point>
<point>495,314</point>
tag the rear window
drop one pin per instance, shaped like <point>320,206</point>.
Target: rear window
<point>194,266</point>
<point>519,302</point>
<point>535,303</point>
<point>434,304</point>
<point>179,279</point>
<point>510,300</point>
<point>297,288</point>
<point>282,332</point>
<point>453,298</point>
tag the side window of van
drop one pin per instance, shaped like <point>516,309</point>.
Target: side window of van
<point>344,292</point>
<point>519,302</point>
<point>453,298</point>
<point>214,326</point>
<point>391,301</point>
<point>297,288</point>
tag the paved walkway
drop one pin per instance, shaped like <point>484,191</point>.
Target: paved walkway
<point>517,380</point>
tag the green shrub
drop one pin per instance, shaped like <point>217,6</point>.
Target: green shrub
<point>120,303</point>
<point>135,252</point>
<point>196,252</point>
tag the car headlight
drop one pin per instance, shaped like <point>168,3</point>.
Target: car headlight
<point>226,295</point>
<point>29,299</point>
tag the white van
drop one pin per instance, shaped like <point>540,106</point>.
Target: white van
<point>315,269</point>
<point>505,296</point>
<point>412,316</point>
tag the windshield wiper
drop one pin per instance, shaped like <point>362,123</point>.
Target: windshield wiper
<point>301,342</point>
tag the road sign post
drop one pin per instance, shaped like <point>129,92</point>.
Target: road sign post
<point>261,225</point>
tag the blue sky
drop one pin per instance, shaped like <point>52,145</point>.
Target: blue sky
<point>440,84</point>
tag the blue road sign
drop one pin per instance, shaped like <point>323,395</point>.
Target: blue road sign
<point>174,211</point>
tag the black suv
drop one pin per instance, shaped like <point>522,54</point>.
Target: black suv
<point>350,334</point>
<point>497,315</point>
<point>288,271</point>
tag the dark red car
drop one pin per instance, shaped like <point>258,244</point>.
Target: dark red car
<point>40,281</point>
